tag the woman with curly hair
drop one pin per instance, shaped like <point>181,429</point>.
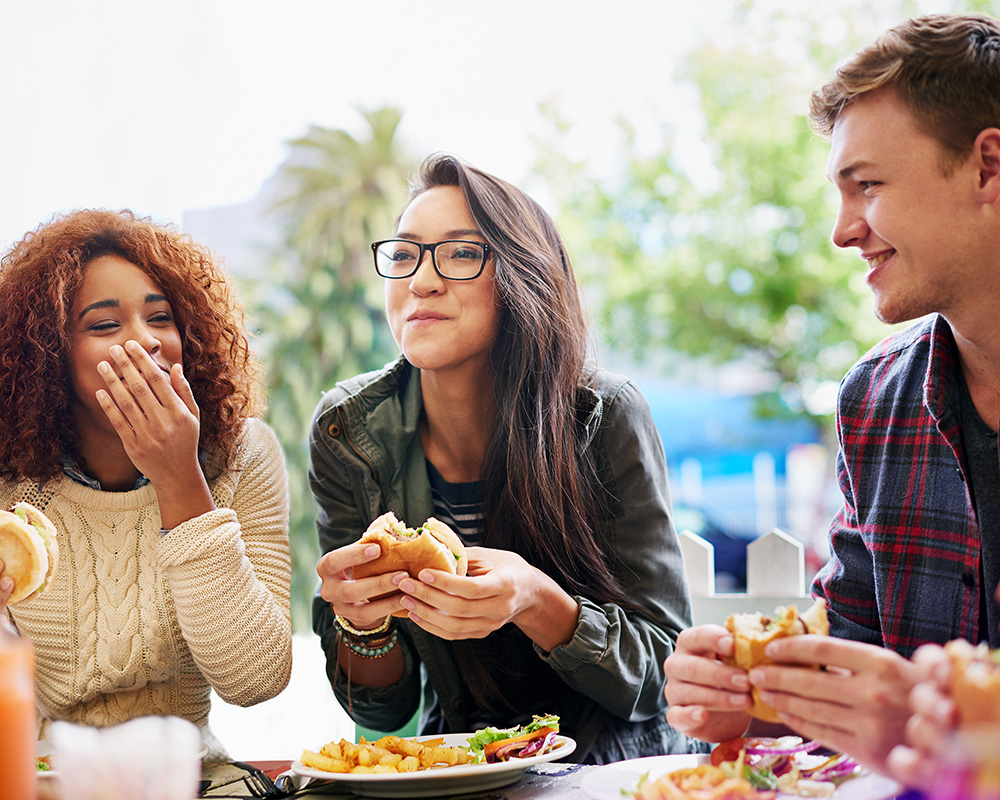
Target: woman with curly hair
<point>129,416</point>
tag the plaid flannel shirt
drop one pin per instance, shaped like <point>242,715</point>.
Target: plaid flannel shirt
<point>905,562</point>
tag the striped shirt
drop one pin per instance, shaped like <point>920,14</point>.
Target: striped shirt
<point>458,505</point>
<point>907,562</point>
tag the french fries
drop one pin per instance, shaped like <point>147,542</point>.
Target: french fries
<point>390,754</point>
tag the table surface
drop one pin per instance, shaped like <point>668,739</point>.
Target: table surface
<point>552,781</point>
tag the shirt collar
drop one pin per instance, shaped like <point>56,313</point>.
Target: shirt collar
<point>73,471</point>
<point>941,379</point>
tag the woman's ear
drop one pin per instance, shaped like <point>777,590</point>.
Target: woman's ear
<point>986,152</point>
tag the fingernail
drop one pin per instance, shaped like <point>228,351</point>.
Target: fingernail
<point>131,346</point>
<point>426,577</point>
<point>755,675</point>
<point>407,586</point>
<point>116,351</point>
<point>740,682</point>
<point>104,368</point>
<point>372,550</point>
<point>6,584</point>
<point>408,604</point>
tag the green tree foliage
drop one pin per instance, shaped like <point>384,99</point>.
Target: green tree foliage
<point>320,308</point>
<point>725,254</point>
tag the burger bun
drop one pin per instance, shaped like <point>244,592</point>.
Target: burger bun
<point>974,683</point>
<point>29,551</point>
<point>431,546</point>
<point>753,632</point>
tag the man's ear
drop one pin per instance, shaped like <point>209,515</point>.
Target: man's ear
<point>986,152</point>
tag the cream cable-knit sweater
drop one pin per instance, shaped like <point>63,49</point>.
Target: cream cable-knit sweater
<point>135,624</point>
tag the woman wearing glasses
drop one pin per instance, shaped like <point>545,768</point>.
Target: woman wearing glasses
<point>551,472</point>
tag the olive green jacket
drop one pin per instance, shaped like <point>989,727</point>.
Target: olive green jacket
<point>367,458</point>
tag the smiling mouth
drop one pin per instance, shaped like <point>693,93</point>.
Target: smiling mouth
<point>874,261</point>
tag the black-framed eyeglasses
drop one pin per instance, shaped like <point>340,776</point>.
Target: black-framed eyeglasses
<point>454,259</point>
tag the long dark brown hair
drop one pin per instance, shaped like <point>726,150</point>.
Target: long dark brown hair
<point>541,496</point>
<point>39,278</point>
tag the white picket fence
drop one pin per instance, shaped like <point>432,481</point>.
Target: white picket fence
<point>776,576</point>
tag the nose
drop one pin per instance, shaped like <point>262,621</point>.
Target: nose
<point>426,279</point>
<point>850,228</point>
<point>147,338</point>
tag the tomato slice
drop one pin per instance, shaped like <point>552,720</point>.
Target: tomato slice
<point>729,750</point>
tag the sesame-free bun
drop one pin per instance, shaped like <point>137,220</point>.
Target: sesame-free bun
<point>974,683</point>
<point>29,551</point>
<point>431,546</point>
<point>753,632</point>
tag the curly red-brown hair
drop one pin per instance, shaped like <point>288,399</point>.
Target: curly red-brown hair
<point>39,278</point>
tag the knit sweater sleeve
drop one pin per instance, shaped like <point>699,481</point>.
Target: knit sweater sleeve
<point>229,573</point>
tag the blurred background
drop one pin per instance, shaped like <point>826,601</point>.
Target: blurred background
<point>667,138</point>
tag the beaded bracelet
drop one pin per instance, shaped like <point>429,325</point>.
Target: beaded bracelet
<point>375,651</point>
<point>347,627</point>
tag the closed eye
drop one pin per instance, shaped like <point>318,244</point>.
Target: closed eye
<point>104,325</point>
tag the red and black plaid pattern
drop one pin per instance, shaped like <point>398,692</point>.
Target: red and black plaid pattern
<point>905,563</point>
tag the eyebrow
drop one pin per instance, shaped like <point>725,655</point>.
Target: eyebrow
<point>850,169</point>
<point>114,302</point>
<point>455,234</point>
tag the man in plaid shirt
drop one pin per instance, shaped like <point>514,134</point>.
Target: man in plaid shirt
<point>914,123</point>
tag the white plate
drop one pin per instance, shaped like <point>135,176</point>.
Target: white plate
<point>617,781</point>
<point>444,780</point>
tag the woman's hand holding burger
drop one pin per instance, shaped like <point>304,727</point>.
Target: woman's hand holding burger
<point>501,587</point>
<point>453,592</point>
<point>364,601</point>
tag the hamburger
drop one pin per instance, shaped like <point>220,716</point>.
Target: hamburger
<point>753,632</point>
<point>975,683</point>
<point>29,551</point>
<point>431,546</point>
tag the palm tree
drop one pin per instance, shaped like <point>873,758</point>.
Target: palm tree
<point>320,310</point>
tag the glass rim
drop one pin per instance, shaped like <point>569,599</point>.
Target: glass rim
<point>423,247</point>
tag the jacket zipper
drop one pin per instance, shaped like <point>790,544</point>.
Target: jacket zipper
<point>358,453</point>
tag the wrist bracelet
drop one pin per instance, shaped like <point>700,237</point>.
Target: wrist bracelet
<point>347,627</point>
<point>365,651</point>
